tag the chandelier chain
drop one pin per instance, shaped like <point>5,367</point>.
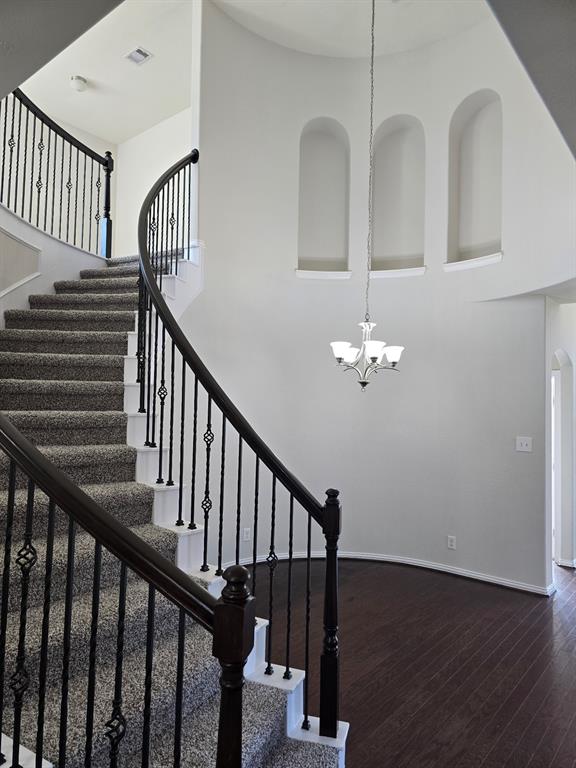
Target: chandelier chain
<point>369,242</point>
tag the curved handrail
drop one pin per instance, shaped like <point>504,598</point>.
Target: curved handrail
<point>29,104</point>
<point>138,556</point>
<point>214,390</point>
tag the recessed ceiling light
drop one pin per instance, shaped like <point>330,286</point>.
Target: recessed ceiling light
<point>78,83</point>
<point>138,55</point>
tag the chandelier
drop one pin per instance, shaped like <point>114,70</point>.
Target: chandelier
<point>372,356</point>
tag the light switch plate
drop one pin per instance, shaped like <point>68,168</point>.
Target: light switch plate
<point>524,444</point>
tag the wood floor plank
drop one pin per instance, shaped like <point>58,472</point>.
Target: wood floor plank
<point>439,671</point>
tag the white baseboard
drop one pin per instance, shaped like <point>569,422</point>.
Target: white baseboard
<point>456,571</point>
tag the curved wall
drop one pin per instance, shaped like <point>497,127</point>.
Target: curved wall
<point>429,452</point>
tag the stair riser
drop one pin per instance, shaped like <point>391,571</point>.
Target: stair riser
<point>103,347</point>
<point>110,273</point>
<point>71,321</point>
<point>112,286</point>
<point>65,371</point>
<point>96,472</point>
<point>137,511</point>
<point>94,302</point>
<point>31,401</point>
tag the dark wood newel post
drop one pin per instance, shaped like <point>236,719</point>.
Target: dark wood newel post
<point>234,620</point>
<point>107,234</point>
<point>330,661</point>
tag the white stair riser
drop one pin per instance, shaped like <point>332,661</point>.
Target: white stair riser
<point>147,464</point>
<point>166,503</point>
<point>130,368</point>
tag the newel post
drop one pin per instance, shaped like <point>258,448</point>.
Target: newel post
<point>330,661</point>
<point>234,620</point>
<point>106,220</point>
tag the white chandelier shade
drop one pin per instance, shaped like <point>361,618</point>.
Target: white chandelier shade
<point>368,358</point>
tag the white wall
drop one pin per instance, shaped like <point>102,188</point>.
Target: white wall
<point>430,451</point>
<point>140,162</point>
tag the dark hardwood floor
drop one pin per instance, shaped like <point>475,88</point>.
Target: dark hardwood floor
<point>440,671</point>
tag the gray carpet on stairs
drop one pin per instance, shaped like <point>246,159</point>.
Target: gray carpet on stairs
<point>61,384</point>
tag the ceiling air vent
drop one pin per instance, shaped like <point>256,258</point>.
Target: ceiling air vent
<point>138,55</point>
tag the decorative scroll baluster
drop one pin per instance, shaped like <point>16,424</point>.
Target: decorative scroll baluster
<point>287,672</point>
<point>66,645</point>
<point>162,394</point>
<point>6,587</point>
<point>92,654</point>
<point>155,378</point>
<point>192,524</point>
<point>238,499</point>
<point>11,145</point>
<point>108,168</point>
<point>90,207</point>
<point>39,183</point>
<point>148,678</point>
<point>207,501</point>
<point>149,415</point>
<point>255,523</point>
<point>97,217</point>
<point>4,145</point>
<point>272,561</point>
<point>306,719</point>
<point>19,682</point>
<point>170,480</point>
<point>180,520</point>
<point>45,634</point>
<point>117,724</point>
<point>69,186</point>
<point>172,222</point>
<point>219,570</point>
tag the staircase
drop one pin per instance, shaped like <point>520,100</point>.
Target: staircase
<point>62,374</point>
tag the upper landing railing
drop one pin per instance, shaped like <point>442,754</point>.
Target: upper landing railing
<point>53,180</point>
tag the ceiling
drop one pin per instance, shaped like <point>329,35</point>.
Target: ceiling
<point>342,27</point>
<point>123,99</point>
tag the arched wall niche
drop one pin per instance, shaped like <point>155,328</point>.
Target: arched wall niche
<point>475,214</point>
<point>399,194</point>
<point>323,196</point>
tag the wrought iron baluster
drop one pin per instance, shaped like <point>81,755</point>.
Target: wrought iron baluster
<point>170,480</point>
<point>306,719</point>
<point>20,681</point>
<point>24,163</point>
<point>69,199</point>
<point>31,195</point>
<point>4,146</point>
<point>162,394</point>
<point>6,586</point>
<point>11,145</point>
<point>53,184</point>
<point>238,499</point>
<point>17,164</point>
<point>39,182</point>
<point>287,672</point>
<point>83,201</point>
<point>47,180</point>
<point>172,222</point>
<point>272,561</point>
<point>116,726</point>
<point>219,570</point>
<point>76,195</point>
<point>148,677</point>
<point>97,217</point>
<point>148,440</point>
<point>45,634</point>
<point>66,644</point>
<point>207,501</point>
<point>180,520</point>
<point>91,691</point>
<point>192,524</point>
<point>155,378</point>
<point>255,523</point>
<point>90,209</point>
<point>179,689</point>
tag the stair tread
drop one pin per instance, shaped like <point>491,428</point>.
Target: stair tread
<point>73,418</point>
<point>108,285</point>
<point>52,384</point>
<point>45,358</point>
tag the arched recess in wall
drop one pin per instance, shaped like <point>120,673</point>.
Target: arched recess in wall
<point>475,214</point>
<point>323,196</point>
<point>399,194</point>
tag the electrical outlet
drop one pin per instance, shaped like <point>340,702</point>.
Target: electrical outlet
<point>246,534</point>
<point>451,542</point>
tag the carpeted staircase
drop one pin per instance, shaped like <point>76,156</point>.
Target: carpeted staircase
<point>62,385</point>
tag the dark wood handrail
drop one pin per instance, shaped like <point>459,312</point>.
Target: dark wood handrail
<point>43,117</point>
<point>139,556</point>
<point>215,391</point>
